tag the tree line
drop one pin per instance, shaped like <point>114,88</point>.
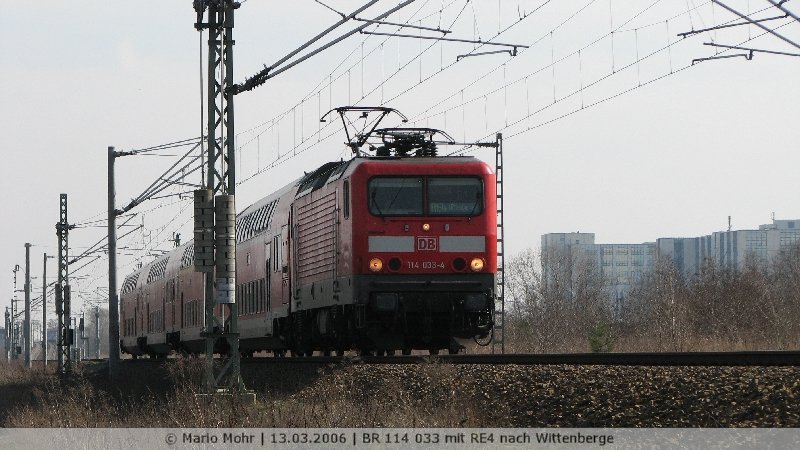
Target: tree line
<point>559,301</point>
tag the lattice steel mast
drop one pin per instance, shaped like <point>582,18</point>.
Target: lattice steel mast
<point>215,212</point>
<point>65,333</point>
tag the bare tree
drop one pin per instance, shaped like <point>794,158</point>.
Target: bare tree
<point>781,303</point>
<point>656,315</point>
<point>558,299</point>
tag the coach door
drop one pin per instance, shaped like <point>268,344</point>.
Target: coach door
<point>266,288</point>
<point>267,297</point>
<point>137,312</point>
<point>286,289</point>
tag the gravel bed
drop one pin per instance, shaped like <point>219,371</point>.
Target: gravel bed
<point>569,396</point>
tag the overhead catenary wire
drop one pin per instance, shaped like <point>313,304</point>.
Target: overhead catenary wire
<point>779,5</point>
<point>303,142</point>
<point>275,120</point>
<point>270,72</point>
<point>507,137</point>
<point>431,110</point>
<point>337,12</point>
<point>758,24</point>
<point>279,160</point>
<point>170,177</point>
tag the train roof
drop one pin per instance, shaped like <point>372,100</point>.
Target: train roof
<point>257,217</point>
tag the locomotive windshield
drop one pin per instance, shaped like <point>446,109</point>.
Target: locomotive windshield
<point>455,196</point>
<point>395,196</point>
<point>433,196</point>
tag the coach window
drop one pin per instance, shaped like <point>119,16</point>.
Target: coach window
<point>455,196</point>
<point>395,196</point>
<point>276,253</point>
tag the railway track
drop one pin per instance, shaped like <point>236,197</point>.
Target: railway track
<point>748,358</point>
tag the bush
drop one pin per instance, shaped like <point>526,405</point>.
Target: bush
<point>601,340</point>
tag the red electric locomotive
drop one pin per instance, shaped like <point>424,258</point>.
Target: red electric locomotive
<point>376,254</point>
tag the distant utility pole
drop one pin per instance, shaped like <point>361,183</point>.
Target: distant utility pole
<point>97,332</point>
<point>84,352</point>
<point>44,309</point>
<point>8,334</point>
<point>27,325</point>
<point>66,335</point>
<point>14,312</point>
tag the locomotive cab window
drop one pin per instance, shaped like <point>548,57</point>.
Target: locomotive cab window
<point>455,196</point>
<point>432,196</point>
<point>395,196</point>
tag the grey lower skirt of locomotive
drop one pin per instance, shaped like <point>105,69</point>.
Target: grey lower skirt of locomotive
<point>398,312</point>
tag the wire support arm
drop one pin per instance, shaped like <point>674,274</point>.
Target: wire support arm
<point>751,50</point>
<point>160,184</point>
<point>779,5</point>
<point>468,41</point>
<point>768,30</point>
<point>403,25</point>
<point>738,24</point>
<point>168,145</point>
<point>495,52</point>
<point>267,73</point>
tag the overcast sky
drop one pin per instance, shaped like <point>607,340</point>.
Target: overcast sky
<point>595,142</point>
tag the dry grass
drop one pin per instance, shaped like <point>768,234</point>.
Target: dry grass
<point>167,397</point>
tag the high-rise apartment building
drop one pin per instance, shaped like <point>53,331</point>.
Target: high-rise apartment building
<point>623,265</point>
<point>731,248</point>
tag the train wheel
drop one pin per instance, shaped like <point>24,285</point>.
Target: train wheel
<point>340,352</point>
<point>389,352</point>
<point>326,353</point>
<point>406,351</point>
<point>452,351</point>
<point>434,351</point>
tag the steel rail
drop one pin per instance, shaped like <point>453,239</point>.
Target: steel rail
<point>745,358</point>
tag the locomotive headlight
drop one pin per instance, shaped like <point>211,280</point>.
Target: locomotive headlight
<point>375,264</point>
<point>426,226</point>
<point>476,264</point>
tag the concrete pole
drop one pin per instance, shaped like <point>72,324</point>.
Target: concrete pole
<point>44,310</point>
<point>8,334</point>
<point>97,332</point>
<point>27,324</point>
<point>82,328</point>
<point>113,300</point>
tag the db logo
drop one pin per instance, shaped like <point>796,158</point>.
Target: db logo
<point>427,243</point>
